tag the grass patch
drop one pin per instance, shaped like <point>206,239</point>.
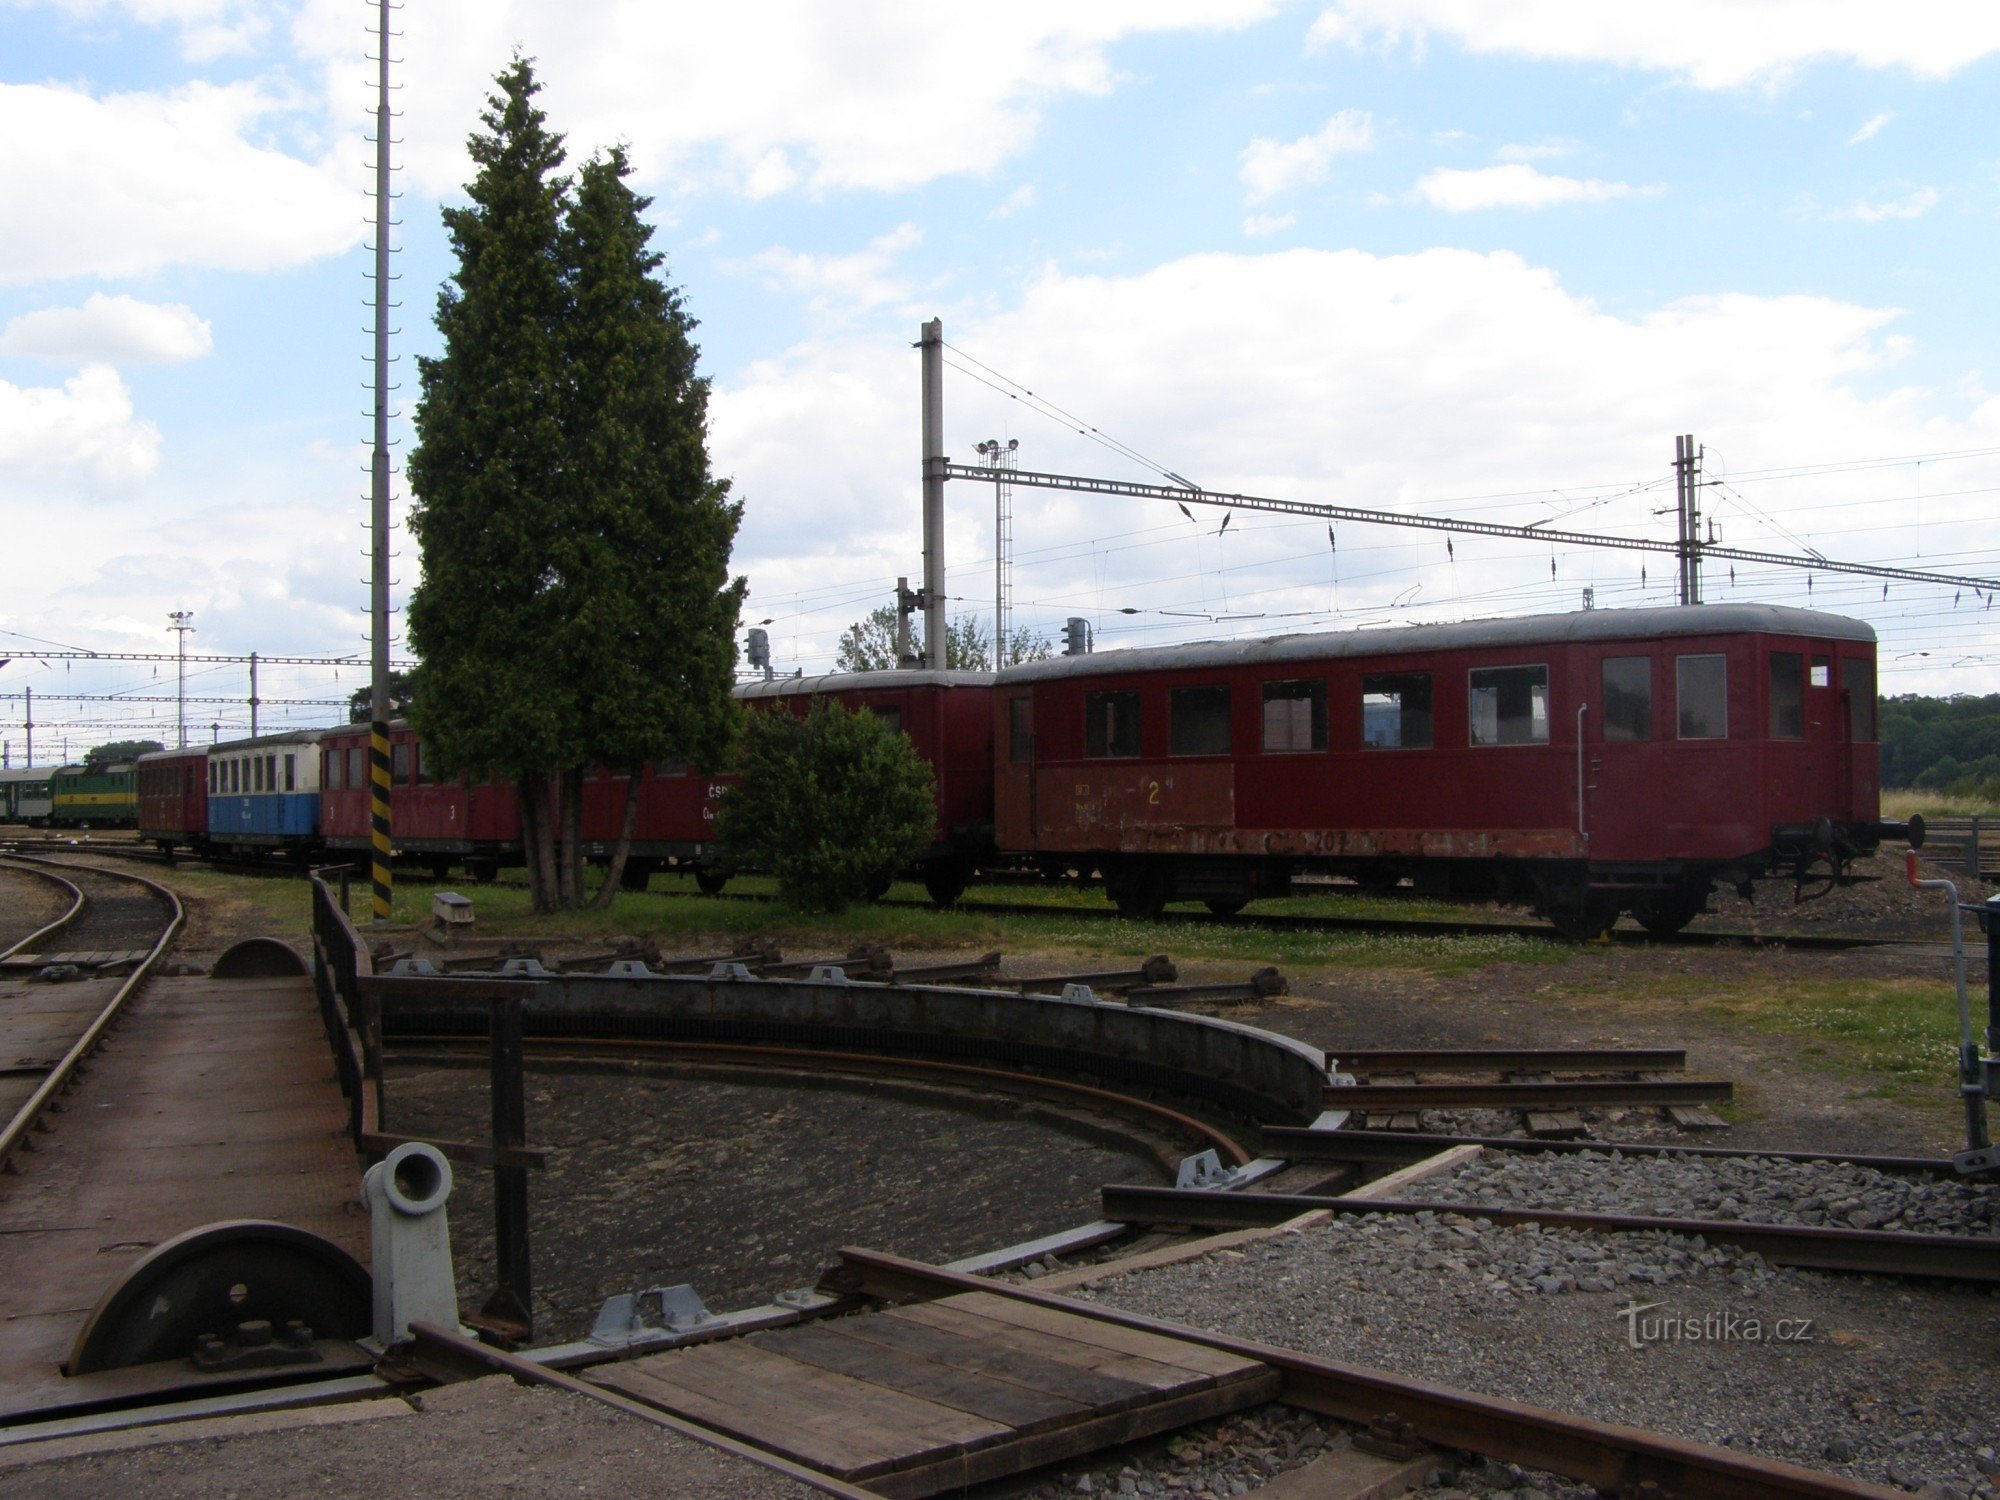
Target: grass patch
<point>674,915</point>
<point>1901,802</point>
<point>1897,1038</point>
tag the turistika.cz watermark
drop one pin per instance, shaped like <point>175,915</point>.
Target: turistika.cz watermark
<point>1644,1325</point>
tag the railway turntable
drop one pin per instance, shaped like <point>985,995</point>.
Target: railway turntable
<point>209,1104</point>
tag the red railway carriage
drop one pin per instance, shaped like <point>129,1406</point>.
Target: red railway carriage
<point>434,821</point>
<point>948,717</point>
<point>173,798</point>
<point>1592,763</point>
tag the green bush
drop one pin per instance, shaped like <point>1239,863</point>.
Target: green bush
<point>832,804</point>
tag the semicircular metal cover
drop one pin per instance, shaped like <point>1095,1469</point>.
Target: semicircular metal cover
<point>212,1278</point>
<point>259,958</point>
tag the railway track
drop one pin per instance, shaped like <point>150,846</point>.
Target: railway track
<point>118,927</point>
<point>1439,927</point>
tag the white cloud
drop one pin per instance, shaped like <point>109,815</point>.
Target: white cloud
<point>1271,167</point>
<point>1259,226</point>
<point>1912,205</point>
<point>1514,185</point>
<point>1712,44</point>
<point>208,28</point>
<point>843,284</point>
<point>1401,382</point>
<point>1022,197</point>
<point>1872,128</point>
<point>1549,150</point>
<point>84,429</point>
<point>125,184</point>
<point>109,331</point>
<point>762,97</point>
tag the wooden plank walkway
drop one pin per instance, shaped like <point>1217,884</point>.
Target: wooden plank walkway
<point>919,1400</point>
<point>209,1100</point>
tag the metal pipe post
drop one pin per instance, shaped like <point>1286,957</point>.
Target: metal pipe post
<point>253,695</point>
<point>932,345</point>
<point>514,1299</point>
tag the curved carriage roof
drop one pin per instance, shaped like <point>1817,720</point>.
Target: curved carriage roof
<point>287,737</point>
<point>834,682</point>
<point>28,773</point>
<point>191,750</point>
<point>1528,630</point>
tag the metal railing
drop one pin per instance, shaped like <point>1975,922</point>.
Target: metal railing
<point>342,967</point>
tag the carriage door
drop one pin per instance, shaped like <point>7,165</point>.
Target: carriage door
<point>1622,758</point>
<point>1014,783</point>
<point>1809,758</point>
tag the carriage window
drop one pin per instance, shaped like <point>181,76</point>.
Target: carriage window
<point>271,772</point>
<point>1020,730</point>
<point>1198,721</point>
<point>1822,671</point>
<point>1295,715</point>
<point>888,713</point>
<point>1396,711</point>
<point>329,771</point>
<point>214,771</point>
<point>291,773</point>
<point>1628,698</point>
<point>421,760</point>
<point>1703,697</point>
<point>673,765</point>
<point>1788,695</point>
<point>357,766</point>
<point>1110,725</point>
<point>1510,705</point>
<point>236,776</point>
<point>399,762</point>
<point>1857,678</point>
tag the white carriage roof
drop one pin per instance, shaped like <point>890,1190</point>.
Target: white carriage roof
<point>1529,630</point>
<point>28,773</point>
<point>833,682</point>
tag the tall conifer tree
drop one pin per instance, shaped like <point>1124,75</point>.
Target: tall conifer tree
<point>575,606</point>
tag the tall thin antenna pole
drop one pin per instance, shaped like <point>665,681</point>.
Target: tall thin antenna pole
<point>378,498</point>
<point>181,627</point>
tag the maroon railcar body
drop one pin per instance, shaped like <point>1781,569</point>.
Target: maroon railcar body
<point>1592,763</point>
<point>433,820</point>
<point>173,798</point>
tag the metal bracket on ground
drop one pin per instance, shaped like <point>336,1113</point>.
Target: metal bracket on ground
<point>1205,1170</point>
<point>729,971</point>
<point>1081,993</point>
<point>637,1317</point>
<point>829,974</point>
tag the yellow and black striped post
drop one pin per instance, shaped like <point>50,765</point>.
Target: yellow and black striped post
<point>378,818</point>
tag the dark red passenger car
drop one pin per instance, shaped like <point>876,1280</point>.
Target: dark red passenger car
<point>173,798</point>
<point>1590,763</point>
<point>434,821</point>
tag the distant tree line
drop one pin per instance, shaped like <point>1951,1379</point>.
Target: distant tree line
<point>1941,744</point>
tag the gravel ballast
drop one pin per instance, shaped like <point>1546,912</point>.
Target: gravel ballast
<point>1754,1190</point>
<point>1864,1376</point>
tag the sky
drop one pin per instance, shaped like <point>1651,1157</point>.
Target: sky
<point>1471,258</point>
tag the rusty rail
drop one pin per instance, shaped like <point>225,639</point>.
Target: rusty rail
<point>1394,1147</point>
<point>52,928</point>
<point>1509,1059</point>
<point>59,1077</point>
<point>1392,1096</point>
<point>1950,1257</point>
<point>1617,1460</point>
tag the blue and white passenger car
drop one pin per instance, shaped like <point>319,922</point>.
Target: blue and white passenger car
<point>263,793</point>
